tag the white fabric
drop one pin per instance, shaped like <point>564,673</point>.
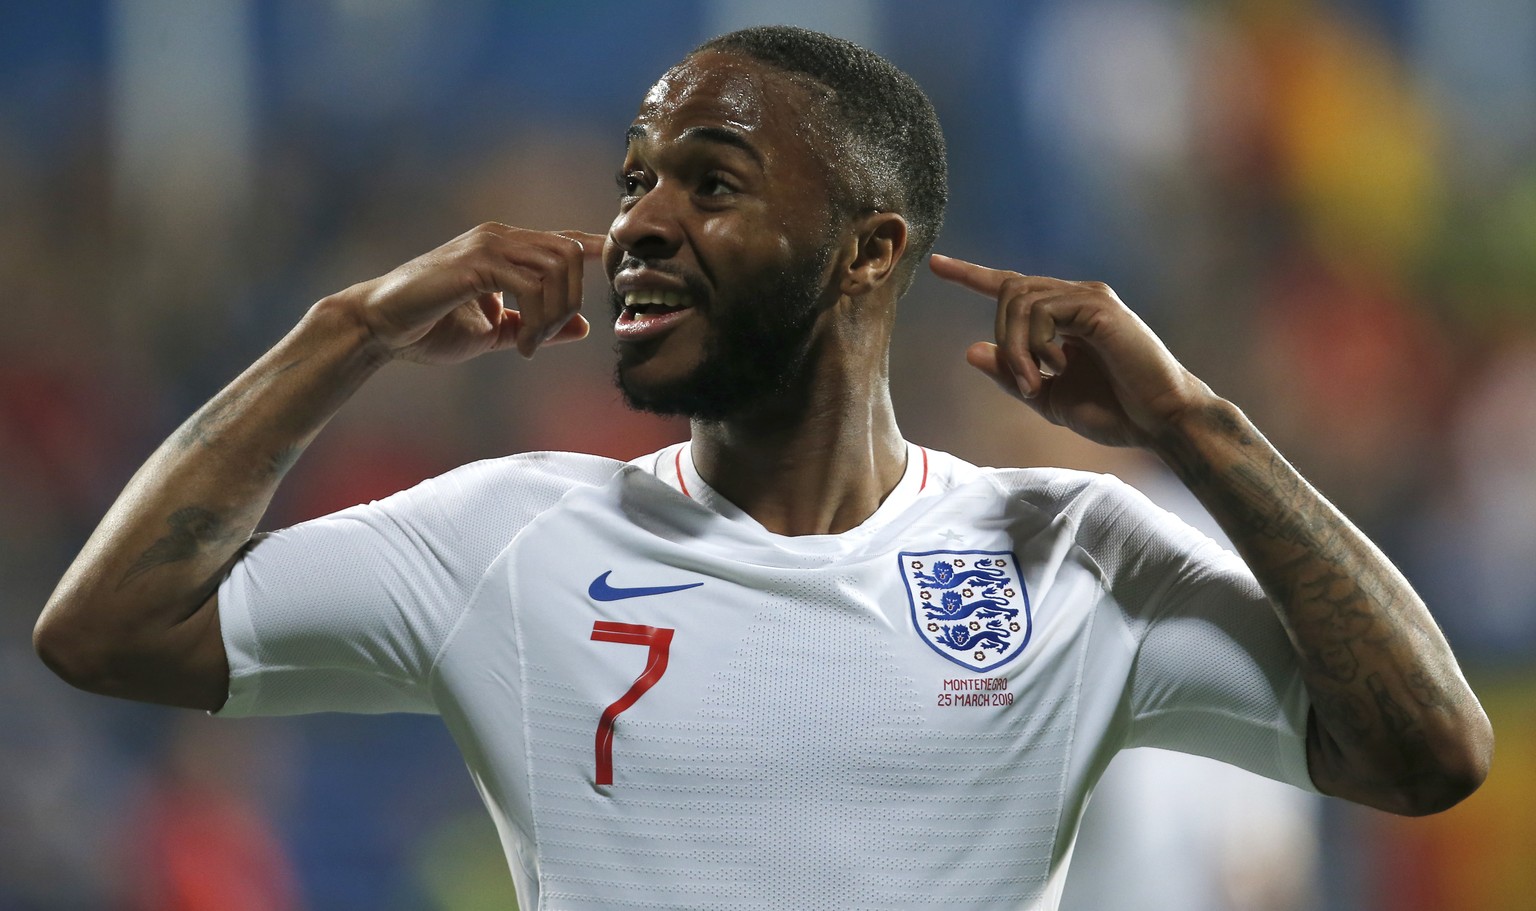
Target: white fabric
<point>805,745</point>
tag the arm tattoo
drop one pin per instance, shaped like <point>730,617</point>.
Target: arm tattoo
<point>193,529</point>
<point>1355,627</point>
<point>283,459</point>
<point>207,427</point>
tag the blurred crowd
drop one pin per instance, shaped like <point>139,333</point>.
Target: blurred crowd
<point>1327,209</point>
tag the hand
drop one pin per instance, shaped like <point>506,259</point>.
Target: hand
<point>447,305</point>
<point>1076,354</point>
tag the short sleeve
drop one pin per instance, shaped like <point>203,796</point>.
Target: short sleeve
<point>348,613</point>
<point>1214,672</point>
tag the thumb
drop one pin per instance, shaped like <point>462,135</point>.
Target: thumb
<point>988,358</point>
<point>573,330</point>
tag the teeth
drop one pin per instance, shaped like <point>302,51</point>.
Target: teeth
<point>666,300</point>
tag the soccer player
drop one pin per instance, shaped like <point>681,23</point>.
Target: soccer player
<point>797,661</point>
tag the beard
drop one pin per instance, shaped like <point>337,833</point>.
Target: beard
<point>755,352</point>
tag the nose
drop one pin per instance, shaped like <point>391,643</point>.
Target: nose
<point>649,228</point>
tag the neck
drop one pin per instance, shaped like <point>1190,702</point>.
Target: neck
<point>821,465</point>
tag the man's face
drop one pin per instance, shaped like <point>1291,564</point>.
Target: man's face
<point>721,251</point>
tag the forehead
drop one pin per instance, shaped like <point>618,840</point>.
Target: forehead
<point>766,106</point>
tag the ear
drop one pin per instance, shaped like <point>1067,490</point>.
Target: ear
<point>880,238</point>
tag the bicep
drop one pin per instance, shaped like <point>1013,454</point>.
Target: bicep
<point>1334,776</point>
<point>1325,762</point>
<point>203,682</point>
<point>181,666</point>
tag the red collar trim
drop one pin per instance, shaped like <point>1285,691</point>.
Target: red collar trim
<point>678,464</point>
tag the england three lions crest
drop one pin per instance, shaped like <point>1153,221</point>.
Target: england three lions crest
<point>968,605</point>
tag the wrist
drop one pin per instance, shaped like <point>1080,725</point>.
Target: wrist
<point>340,317</point>
<point>1205,422</point>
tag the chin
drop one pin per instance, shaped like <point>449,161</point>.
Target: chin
<point>645,387</point>
<point>644,371</point>
<point>689,395</point>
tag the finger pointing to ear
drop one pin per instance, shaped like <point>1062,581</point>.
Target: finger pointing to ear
<point>977,278</point>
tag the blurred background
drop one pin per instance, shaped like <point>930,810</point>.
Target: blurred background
<point>1327,209</point>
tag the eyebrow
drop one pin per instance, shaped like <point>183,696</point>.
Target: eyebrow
<point>720,135</point>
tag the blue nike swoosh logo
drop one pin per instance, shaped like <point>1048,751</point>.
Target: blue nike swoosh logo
<point>600,590</point>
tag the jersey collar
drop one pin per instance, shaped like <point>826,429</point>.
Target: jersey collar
<point>674,467</point>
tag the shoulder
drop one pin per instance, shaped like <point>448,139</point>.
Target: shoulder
<point>526,478</point>
<point>1057,496</point>
<point>1049,492</point>
<point>1117,525</point>
<point>485,503</point>
<point>1071,494</point>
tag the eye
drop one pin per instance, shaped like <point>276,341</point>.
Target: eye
<point>630,183</point>
<point>716,184</point>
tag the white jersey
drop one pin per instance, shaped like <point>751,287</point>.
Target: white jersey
<point>665,705</point>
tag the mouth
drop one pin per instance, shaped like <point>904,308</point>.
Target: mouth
<point>647,303</point>
<point>645,313</point>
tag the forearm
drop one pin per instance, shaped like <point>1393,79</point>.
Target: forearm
<point>1394,722</point>
<point>133,599</point>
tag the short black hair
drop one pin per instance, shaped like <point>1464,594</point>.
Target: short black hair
<point>890,130</point>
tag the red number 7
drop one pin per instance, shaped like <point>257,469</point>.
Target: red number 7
<point>659,638</point>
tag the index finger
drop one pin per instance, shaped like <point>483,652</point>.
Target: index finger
<point>983,280</point>
<point>591,250</point>
<point>978,278</point>
<point>591,244</point>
